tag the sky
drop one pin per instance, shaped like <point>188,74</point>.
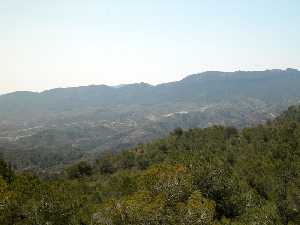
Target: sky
<point>61,43</point>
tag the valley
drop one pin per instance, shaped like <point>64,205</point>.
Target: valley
<point>85,121</point>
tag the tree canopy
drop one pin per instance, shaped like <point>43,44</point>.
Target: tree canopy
<point>213,176</point>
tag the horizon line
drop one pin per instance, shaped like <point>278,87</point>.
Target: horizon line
<point>145,83</point>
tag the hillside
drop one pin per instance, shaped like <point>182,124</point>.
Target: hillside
<point>271,86</point>
<point>211,176</point>
<point>59,126</point>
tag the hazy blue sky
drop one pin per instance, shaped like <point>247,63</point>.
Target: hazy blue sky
<point>60,43</point>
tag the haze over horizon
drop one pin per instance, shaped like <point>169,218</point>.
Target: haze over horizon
<point>65,43</point>
<point>166,82</point>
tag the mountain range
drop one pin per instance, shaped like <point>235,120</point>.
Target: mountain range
<point>59,126</point>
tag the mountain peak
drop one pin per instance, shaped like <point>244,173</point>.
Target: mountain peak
<point>133,85</point>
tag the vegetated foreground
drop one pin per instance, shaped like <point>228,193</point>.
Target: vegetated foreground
<point>216,175</point>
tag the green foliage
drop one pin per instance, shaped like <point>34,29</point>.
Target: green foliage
<point>79,170</point>
<point>197,210</point>
<point>6,171</point>
<point>212,176</point>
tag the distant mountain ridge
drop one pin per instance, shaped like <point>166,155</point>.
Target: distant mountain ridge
<point>94,118</point>
<point>203,85</point>
<point>198,76</point>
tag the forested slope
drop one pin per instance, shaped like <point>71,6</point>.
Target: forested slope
<point>217,175</point>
